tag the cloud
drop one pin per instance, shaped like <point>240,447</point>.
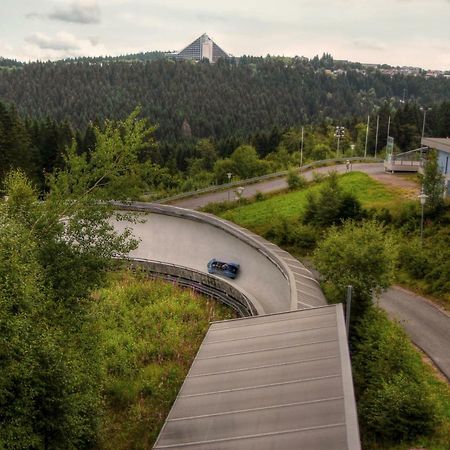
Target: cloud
<point>78,11</point>
<point>369,44</point>
<point>64,45</point>
<point>61,41</point>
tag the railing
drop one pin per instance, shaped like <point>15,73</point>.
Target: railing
<point>268,176</point>
<point>213,287</point>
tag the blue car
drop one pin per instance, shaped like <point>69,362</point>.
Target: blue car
<point>229,270</point>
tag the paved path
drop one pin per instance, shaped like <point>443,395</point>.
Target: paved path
<point>375,170</point>
<point>428,326</point>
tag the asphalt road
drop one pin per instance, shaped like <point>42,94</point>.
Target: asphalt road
<point>428,326</point>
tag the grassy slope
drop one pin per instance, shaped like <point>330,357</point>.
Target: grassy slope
<point>150,332</point>
<point>371,193</point>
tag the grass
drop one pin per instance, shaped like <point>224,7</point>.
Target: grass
<point>291,205</point>
<point>150,332</point>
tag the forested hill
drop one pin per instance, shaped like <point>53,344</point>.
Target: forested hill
<point>219,100</point>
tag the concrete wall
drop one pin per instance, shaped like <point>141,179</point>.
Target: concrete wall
<point>189,239</point>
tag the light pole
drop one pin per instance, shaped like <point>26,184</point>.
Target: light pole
<point>229,175</point>
<point>367,136</point>
<point>376,135</point>
<point>352,146</point>
<point>339,133</point>
<point>423,198</point>
<point>425,110</point>
<point>301,151</point>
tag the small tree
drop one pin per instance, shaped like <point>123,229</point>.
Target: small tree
<point>433,183</point>
<point>360,254</point>
<point>294,180</point>
<point>332,205</point>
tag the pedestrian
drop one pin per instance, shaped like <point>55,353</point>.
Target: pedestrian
<point>347,165</point>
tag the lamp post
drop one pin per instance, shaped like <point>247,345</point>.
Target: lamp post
<point>425,110</point>
<point>423,198</point>
<point>376,135</point>
<point>301,151</point>
<point>229,175</point>
<point>352,146</point>
<point>339,133</point>
<point>367,136</point>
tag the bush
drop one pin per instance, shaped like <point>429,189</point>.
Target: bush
<point>359,254</point>
<point>294,180</point>
<point>395,400</point>
<point>332,205</point>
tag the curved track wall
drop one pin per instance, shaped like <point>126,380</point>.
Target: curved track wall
<point>270,278</point>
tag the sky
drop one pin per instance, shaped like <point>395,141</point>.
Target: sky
<point>396,32</point>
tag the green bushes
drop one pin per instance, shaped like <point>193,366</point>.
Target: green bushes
<point>149,333</point>
<point>294,180</point>
<point>332,205</point>
<point>397,401</point>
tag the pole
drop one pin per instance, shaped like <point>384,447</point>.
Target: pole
<point>423,124</point>
<point>376,136</point>
<point>421,226</point>
<point>301,151</point>
<point>389,126</point>
<point>367,136</point>
<point>337,150</point>
<point>348,306</point>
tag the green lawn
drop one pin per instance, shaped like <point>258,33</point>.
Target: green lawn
<point>371,193</point>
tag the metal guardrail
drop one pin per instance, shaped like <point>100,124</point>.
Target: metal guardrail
<point>268,176</point>
<point>213,287</point>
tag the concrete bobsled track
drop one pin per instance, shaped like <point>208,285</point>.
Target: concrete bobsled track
<point>279,380</point>
<point>272,279</point>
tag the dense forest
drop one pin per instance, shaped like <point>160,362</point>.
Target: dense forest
<point>235,97</point>
<point>242,116</point>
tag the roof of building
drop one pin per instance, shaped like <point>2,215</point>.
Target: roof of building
<point>442,144</point>
<point>280,381</point>
<point>195,50</point>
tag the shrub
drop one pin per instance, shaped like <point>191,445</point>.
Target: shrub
<point>294,180</point>
<point>395,400</point>
<point>332,205</point>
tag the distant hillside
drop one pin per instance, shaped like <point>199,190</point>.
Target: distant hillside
<point>239,96</point>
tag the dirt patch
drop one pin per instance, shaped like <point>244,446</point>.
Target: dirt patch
<point>402,181</point>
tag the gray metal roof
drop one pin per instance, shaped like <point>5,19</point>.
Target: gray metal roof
<point>442,144</point>
<point>280,381</point>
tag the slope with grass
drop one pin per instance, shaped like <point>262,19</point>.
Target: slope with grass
<point>150,332</point>
<point>291,205</point>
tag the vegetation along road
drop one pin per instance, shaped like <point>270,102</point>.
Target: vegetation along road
<point>428,327</point>
<point>375,170</point>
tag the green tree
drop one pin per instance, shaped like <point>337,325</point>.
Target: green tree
<point>360,254</point>
<point>246,162</point>
<point>332,205</point>
<point>433,183</point>
<point>53,252</point>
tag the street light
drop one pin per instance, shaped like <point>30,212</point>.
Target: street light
<point>425,110</point>
<point>423,198</point>
<point>229,175</point>
<point>339,133</point>
<point>352,146</point>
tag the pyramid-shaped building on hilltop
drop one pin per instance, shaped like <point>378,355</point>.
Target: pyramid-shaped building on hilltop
<point>203,47</point>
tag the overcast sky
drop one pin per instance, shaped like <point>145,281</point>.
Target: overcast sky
<point>396,32</point>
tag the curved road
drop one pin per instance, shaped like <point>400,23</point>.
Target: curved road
<point>428,326</point>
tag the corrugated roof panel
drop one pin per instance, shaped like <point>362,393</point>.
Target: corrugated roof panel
<point>280,381</point>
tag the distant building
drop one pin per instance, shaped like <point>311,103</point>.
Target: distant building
<point>202,47</point>
<point>442,145</point>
